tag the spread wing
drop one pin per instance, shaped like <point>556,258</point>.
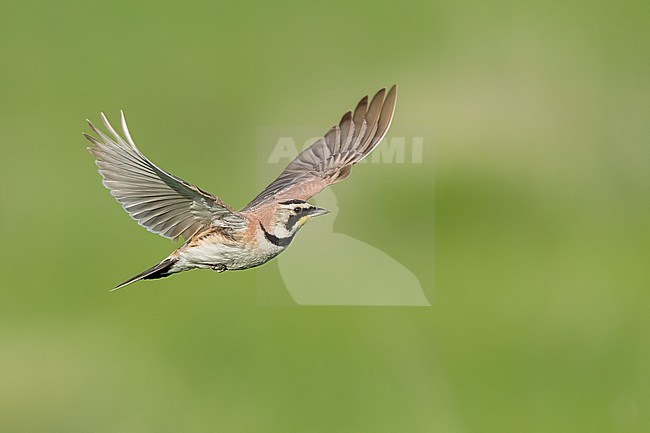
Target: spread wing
<point>157,200</point>
<point>330,159</point>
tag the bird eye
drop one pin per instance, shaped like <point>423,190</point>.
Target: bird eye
<point>298,209</point>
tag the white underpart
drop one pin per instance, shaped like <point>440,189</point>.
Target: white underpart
<point>207,255</point>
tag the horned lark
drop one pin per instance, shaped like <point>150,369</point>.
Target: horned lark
<point>215,235</point>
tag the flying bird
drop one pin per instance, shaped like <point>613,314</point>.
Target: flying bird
<point>215,235</point>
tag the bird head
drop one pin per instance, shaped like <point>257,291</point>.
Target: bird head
<point>290,215</point>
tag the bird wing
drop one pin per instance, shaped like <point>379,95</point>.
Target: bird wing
<point>159,201</point>
<point>330,159</point>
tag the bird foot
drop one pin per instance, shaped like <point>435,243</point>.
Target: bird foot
<point>218,268</point>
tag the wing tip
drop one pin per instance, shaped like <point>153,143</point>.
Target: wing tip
<point>92,140</point>
<point>346,116</point>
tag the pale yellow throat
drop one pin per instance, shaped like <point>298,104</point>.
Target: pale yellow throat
<point>303,220</point>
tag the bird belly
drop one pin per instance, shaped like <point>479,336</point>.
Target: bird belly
<point>233,256</point>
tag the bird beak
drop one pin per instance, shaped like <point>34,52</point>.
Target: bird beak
<point>318,211</point>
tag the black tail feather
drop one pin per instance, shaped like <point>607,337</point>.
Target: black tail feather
<point>160,270</point>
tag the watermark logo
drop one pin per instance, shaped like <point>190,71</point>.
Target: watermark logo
<point>393,150</point>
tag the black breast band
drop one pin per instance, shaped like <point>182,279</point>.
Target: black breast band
<point>280,242</point>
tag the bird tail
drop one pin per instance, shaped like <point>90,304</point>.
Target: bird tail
<point>161,270</point>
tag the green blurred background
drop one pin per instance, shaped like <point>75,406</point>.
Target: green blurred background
<point>535,118</point>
